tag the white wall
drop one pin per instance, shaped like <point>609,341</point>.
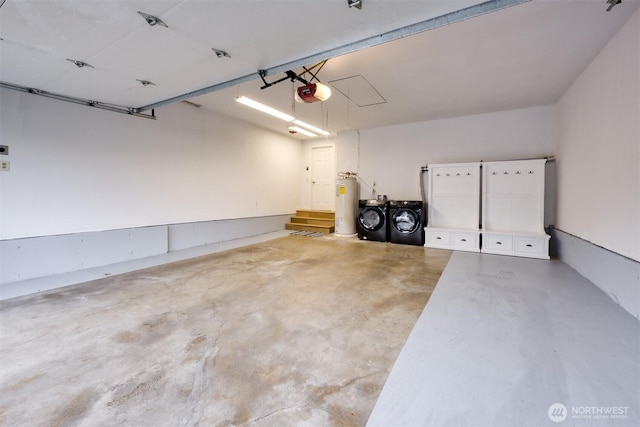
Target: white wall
<point>599,148</point>
<point>392,156</point>
<point>76,169</point>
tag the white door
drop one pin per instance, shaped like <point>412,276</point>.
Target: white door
<point>322,179</point>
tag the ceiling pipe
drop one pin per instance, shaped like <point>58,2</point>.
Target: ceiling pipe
<point>429,24</point>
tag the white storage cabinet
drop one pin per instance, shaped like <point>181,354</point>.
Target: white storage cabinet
<point>453,206</point>
<point>513,208</point>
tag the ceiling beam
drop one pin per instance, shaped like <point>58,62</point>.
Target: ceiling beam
<point>429,24</point>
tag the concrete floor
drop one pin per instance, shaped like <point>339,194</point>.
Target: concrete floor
<point>507,341</point>
<point>294,331</point>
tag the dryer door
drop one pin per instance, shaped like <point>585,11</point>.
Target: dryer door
<point>371,218</point>
<point>406,221</point>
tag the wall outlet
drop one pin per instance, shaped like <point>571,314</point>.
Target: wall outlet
<point>5,166</point>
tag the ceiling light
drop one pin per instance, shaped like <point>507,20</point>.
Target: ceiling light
<point>300,126</point>
<point>152,20</point>
<point>311,127</point>
<point>80,64</point>
<point>312,92</point>
<point>296,129</point>
<point>220,53</point>
<point>264,108</point>
<point>355,3</point>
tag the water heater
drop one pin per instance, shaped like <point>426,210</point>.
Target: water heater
<point>347,194</point>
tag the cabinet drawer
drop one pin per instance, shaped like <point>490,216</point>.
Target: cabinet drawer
<point>438,237</point>
<point>531,245</point>
<point>500,243</point>
<point>464,240</point>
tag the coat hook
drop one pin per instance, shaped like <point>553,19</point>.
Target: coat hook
<point>531,172</point>
<point>506,173</point>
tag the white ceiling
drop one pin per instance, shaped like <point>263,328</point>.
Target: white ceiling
<point>521,56</point>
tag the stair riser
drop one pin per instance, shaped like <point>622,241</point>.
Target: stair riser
<point>316,214</point>
<point>308,227</point>
<point>314,221</point>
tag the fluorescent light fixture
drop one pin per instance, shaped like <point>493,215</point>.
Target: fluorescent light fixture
<point>311,128</point>
<point>300,126</point>
<point>302,131</point>
<point>265,109</point>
